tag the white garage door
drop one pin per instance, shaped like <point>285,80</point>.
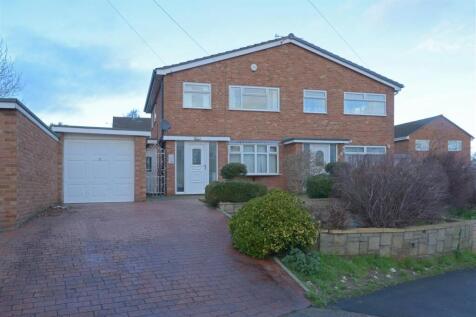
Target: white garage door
<point>98,169</point>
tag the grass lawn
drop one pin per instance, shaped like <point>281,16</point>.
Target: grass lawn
<point>332,277</point>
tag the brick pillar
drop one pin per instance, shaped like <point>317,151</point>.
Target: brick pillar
<point>8,169</point>
<point>140,176</point>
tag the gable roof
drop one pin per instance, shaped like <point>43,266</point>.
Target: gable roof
<point>291,38</point>
<point>128,123</point>
<point>405,129</point>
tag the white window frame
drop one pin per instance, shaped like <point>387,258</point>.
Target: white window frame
<point>268,153</point>
<point>422,141</point>
<point>365,147</point>
<point>196,84</point>
<point>304,100</point>
<point>366,94</point>
<point>258,87</point>
<point>459,147</point>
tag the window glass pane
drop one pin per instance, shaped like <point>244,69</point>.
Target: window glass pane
<point>314,105</point>
<point>262,148</point>
<point>212,159</point>
<point>314,94</point>
<point>273,163</point>
<point>255,102</point>
<point>148,164</point>
<point>375,150</point>
<point>235,97</point>
<point>375,107</point>
<point>234,148</point>
<point>196,88</point>
<point>248,148</point>
<point>376,97</point>
<point>273,99</point>
<point>235,158</point>
<point>196,100</point>
<point>180,166</point>
<point>273,148</point>
<point>262,162</point>
<point>354,96</point>
<point>249,161</point>
<point>333,153</point>
<point>455,145</point>
<point>422,145</point>
<point>355,149</point>
<point>196,156</point>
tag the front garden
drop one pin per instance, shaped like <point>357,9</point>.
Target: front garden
<point>358,227</point>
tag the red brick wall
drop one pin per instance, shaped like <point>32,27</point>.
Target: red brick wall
<point>438,132</point>
<point>8,168</point>
<point>29,169</point>
<point>292,69</point>
<point>140,174</point>
<point>37,182</point>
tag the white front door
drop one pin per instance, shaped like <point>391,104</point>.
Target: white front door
<point>196,167</point>
<point>320,156</point>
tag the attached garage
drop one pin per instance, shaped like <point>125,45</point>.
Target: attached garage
<point>102,164</point>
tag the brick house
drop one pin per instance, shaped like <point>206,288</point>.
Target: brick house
<point>434,134</point>
<point>42,166</point>
<point>258,104</point>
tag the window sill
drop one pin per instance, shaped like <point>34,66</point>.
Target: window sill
<point>252,110</point>
<point>365,115</point>
<point>252,175</point>
<point>308,112</point>
<point>194,108</point>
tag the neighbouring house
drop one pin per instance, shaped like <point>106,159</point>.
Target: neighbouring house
<point>42,166</point>
<point>434,134</point>
<point>259,103</point>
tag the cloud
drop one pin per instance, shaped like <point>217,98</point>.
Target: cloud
<point>447,38</point>
<point>54,72</point>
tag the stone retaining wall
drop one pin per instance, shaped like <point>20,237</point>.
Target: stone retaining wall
<point>418,241</point>
<point>230,208</point>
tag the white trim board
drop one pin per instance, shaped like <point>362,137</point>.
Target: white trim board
<point>16,106</point>
<point>317,141</point>
<point>264,46</point>
<point>195,138</point>
<point>103,131</point>
<point>401,139</point>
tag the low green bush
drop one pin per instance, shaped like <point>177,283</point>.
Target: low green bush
<point>319,186</point>
<point>298,261</point>
<point>233,170</point>
<point>272,224</point>
<point>233,191</point>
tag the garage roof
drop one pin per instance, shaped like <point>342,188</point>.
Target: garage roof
<point>98,130</point>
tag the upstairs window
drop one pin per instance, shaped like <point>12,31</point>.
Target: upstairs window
<point>315,101</point>
<point>422,145</point>
<point>260,159</point>
<point>197,96</point>
<point>253,98</point>
<point>365,104</point>
<point>455,145</point>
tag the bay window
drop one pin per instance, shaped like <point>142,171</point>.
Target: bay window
<point>259,158</point>
<point>253,98</point>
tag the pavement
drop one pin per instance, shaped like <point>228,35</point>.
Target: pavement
<point>156,258</point>
<point>449,295</point>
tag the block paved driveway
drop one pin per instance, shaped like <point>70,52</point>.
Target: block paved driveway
<point>160,258</point>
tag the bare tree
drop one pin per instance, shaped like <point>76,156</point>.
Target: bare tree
<point>134,114</point>
<point>9,79</point>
